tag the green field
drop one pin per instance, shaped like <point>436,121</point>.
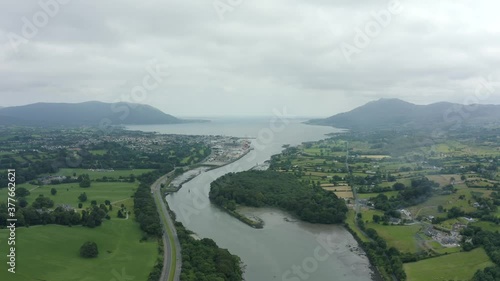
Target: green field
<point>399,237</point>
<point>448,224</point>
<point>458,266</point>
<point>389,194</point>
<point>444,180</point>
<point>52,253</point>
<point>486,225</point>
<point>351,215</point>
<point>429,207</point>
<point>367,214</point>
<point>98,152</point>
<point>68,193</point>
<point>99,174</point>
<point>438,248</point>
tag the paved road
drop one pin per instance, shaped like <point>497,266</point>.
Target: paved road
<point>172,259</point>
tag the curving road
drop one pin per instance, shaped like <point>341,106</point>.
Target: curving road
<point>172,259</point>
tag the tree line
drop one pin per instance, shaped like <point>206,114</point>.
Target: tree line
<point>144,204</point>
<point>387,260</point>
<point>203,260</point>
<point>36,215</point>
<point>419,191</point>
<point>474,237</point>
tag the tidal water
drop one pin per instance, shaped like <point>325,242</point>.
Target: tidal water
<point>287,250</point>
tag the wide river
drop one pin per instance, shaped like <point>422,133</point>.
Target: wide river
<point>285,249</point>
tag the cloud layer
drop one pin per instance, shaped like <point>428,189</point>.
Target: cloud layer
<point>241,57</point>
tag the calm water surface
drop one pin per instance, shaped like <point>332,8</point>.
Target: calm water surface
<point>283,250</point>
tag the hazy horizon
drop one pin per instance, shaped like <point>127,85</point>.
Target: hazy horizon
<point>289,115</point>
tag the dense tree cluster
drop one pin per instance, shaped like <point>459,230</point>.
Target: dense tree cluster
<point>83,197</point>
<point>419,191</point>
<point>488,274</point>
<point>269,188</point>
<point>203,260</point>
<point>42,202</point>
<point>28,216</point>
<point>40,212</point>
<point>94,216</point>
<point>474,237</point>
<point>144,204</point>
<point>84,180</point>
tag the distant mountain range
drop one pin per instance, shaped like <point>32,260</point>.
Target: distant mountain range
<point>399,114</point>
<point>86,114</point>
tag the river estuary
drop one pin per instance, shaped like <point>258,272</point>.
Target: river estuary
<point>286,250</point>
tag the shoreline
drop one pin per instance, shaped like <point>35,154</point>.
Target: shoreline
<point>257,224</point>
<point>375,273</point>
<point>199,165</point>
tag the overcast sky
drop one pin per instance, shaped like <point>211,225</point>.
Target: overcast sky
<point>242,57</point>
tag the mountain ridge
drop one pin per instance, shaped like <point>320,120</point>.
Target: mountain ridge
<point>90,113</point>
<point>396,113</point>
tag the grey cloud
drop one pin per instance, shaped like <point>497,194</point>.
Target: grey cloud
<point>263,55</point>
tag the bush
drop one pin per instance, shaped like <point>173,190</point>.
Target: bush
<point>89,250</point>
<point>42,202</point>
<point>82,197</point>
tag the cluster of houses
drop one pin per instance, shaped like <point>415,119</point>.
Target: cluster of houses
<point>228,149</point>
<point>45,180</point>
<point>446,238</point>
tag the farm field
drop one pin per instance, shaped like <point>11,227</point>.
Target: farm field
<point>340,191</point>
<point>457,266</point>
<point>455,177</point>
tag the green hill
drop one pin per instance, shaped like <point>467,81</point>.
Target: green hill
<point>85,114</point>
<point>399,114</point>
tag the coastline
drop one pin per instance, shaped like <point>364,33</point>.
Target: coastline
<point>376,275</point>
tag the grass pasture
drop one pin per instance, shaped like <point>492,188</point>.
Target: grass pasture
<point>457,266</point>
<point>389,194</point>
<point>486,225</point>
<point>429,207</point>
<point>52,253</point>
<point>95,174</point>
<point>351,216</point>
<point>444,180</point>
<point>367,214</point>
<point>68,193</point>
<point>98,152</point>
<point>399,237</point>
